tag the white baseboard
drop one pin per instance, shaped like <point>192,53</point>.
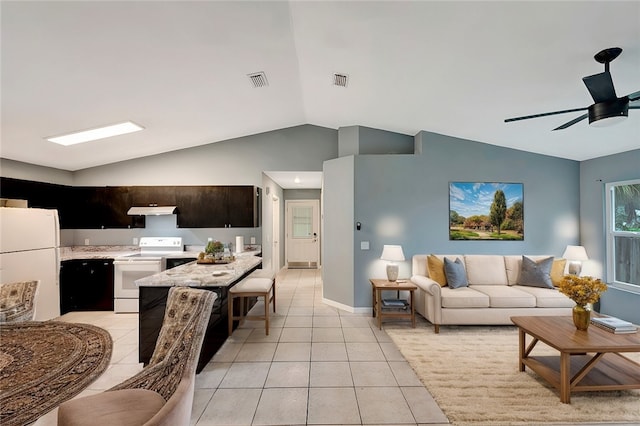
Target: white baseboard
<point>347,308</point>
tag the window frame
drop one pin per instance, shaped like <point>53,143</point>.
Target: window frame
<point>611,234</point>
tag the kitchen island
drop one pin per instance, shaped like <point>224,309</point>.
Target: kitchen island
<point>218,278</point>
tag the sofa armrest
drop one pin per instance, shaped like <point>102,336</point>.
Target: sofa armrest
<point>427,284</point>
<point>430,299</point>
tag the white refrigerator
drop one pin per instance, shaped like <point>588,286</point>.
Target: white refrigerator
<point>29,250</point>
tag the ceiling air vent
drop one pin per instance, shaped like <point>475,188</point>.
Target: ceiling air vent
<point>340,80</point>
<point>258,79</point>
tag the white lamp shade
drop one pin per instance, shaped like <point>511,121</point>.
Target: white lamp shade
<point>575,253</point>
<point>392,253</point>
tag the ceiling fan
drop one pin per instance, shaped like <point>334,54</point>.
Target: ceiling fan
<point>608,107</point>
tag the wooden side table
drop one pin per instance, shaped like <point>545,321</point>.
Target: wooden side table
<point>379,285</point>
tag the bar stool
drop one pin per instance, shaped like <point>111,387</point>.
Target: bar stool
<point>258,284</point>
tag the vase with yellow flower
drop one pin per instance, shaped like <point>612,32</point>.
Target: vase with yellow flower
<point>584,291</point>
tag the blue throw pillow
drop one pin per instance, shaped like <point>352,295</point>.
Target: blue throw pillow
<point>455,272</point>
<point>536,274</point>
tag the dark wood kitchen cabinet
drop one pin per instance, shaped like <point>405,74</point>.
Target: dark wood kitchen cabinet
<point>99,207</point>
<point>41,195</point>
<point>89,204</point>
<point>118,201</point>
<point>86,285</point>
<point>152,195</point>
<point>218,206</point>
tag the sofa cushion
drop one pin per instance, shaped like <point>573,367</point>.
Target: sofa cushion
<point>502,296</point>
<point>463,297</point>
<point>536,273</point>
<point>513,264</point>
<point>435,267</point>
<point>485,269</point>
<point>455,272</point>
<point>548,297</point>
<point>557,271</point>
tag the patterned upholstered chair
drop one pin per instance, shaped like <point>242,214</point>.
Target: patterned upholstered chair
<point>17,301</point>
<point>162,393</point>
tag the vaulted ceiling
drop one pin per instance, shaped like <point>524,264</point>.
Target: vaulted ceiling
<point>180,69</point>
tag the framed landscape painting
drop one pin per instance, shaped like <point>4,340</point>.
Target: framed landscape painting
<point>486,211</point>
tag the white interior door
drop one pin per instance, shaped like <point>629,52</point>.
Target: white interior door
<point>303,233</point>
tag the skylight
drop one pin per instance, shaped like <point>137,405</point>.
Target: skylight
<point>95,134</point>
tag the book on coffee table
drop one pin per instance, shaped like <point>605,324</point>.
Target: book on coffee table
<point>614,325</point>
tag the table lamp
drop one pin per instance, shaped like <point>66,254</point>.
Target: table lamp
<point>575,255</point>
<point>393,254</point>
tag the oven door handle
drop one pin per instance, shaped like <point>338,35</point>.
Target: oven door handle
<point>137,262</point>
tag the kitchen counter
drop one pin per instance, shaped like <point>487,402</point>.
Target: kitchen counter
<point>111,252</point>
<point>216,278</point>
<point>96,252</point>
<point>203,275</point>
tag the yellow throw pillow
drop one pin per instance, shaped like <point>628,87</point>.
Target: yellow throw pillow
<point>557,271</point>
<point>435,267</point>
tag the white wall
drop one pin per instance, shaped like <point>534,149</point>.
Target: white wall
<point>25,171</point>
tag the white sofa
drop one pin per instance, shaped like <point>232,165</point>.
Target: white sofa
<point>493,294</point>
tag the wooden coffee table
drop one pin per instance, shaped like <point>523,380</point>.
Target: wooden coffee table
<point>589,360</point>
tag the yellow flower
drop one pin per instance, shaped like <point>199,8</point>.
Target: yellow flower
<point>582,290</point>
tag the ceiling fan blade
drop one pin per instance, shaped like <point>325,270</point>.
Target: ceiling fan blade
<point>634,96</point>
<point>544,114</point>
<point>572,122</point>
<point>600,87</point>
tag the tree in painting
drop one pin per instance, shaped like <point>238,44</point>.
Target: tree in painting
<point>498,209</point>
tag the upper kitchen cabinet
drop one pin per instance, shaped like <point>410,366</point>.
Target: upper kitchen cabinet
<point>41,195</point>
<point>142,196</point>
<point>89,203</point>
<point>118,202</point>
<point>99,207</point>
<point>218,206</point>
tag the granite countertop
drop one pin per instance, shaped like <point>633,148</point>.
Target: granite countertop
<point>111,252</point>
<point>96,252</point>
<point>193,274</point>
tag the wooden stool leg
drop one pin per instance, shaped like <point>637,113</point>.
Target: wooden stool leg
<point>230,313</point>
<point>273,288</point>
<point>266,313</point>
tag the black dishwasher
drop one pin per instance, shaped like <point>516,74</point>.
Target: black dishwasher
<point>86,285</point>
<point>172,262</point>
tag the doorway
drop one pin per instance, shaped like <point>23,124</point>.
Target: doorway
<point>302,248</point>
<point>275,249</point>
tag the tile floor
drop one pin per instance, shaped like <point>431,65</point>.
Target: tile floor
<point>318,366</point>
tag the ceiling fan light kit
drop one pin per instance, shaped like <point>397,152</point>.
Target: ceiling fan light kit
<point>605,114</point>
<point>608,108</point>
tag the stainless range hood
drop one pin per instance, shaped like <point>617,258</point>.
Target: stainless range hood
<point>151,210</point>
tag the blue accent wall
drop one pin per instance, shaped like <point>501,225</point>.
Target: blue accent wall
<point>594,175</point>
<point>404,199</point>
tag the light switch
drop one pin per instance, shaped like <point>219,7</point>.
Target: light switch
<point>364,245</point>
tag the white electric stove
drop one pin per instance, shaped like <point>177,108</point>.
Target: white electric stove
<point>128,269</point>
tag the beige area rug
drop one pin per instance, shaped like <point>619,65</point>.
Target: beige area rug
<point>472,372</point>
